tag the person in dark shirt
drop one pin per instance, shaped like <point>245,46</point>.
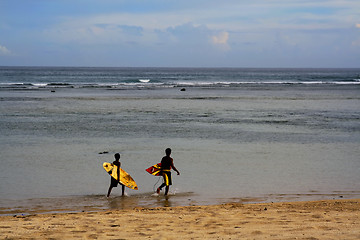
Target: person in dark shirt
<point>167,163</point>
<point>114,182</point>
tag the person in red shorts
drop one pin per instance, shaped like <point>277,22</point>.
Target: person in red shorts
<point>167,163</point>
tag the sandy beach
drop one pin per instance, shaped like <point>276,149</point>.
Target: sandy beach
<point>328,219</point>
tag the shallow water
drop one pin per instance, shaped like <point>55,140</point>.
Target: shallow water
<point>252,144</point>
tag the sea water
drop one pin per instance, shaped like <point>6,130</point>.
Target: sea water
<point>237,135</point>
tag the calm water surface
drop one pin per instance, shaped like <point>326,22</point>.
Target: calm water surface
<point>236,136</point>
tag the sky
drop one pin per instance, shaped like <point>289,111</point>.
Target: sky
<point>186,33</point>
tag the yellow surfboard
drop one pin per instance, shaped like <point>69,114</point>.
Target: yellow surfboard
<point>125,178</point>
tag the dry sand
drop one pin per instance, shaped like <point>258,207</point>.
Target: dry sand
<point>330,219</point>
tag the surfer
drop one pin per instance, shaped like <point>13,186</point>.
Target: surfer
<point>115,182</point>
<point>166,164</point>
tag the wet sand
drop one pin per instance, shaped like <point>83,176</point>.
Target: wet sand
<point>328,219</point>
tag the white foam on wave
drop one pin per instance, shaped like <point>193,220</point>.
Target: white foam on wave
<point>144,80</point>
<point>40,84</point>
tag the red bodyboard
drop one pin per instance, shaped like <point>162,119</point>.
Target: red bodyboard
<point>155,170</point>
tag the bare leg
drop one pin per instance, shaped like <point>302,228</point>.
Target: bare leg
<point>123,190</point>
<point>159,188</point>
<point>109,191</point>
<point>166,190</point>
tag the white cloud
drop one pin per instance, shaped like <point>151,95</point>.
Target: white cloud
<point>221,38</point>
<point>357,25</point>
<point>94,33</point>
<point>4,50</point>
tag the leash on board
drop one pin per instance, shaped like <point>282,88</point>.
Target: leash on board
<point>157,183</point>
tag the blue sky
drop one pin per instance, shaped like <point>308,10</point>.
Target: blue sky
<point>167,33</point>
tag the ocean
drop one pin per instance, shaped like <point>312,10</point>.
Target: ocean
<point>236,134</point>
